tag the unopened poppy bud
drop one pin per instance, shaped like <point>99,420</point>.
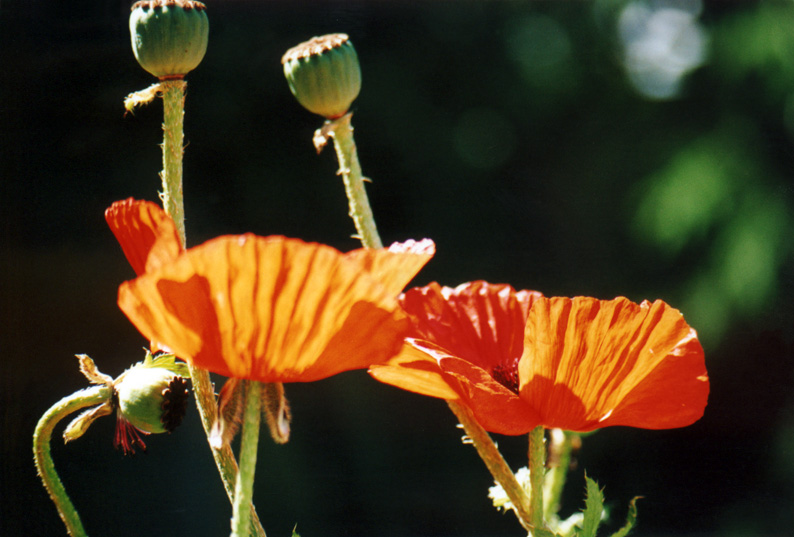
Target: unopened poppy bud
<point>169,37</point>
<point>152,399</point>
<point>323,74</point>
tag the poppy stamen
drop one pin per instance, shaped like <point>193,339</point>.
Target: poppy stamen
<point>128,437</point>
<point>506,374</point>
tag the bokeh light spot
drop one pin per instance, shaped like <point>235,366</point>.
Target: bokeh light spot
<point>484,138</point>
<point>540,47</point>
<point>662,42</point>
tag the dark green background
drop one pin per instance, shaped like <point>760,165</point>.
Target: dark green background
<point>572,184</point>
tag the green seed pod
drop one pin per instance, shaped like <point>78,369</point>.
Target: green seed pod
<point>323,74</point>
<point>152,399</point>
<point>169,37</point>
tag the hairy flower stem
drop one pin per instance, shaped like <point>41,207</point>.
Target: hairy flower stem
<point>41,451</point>
<point>349,168</point>
<point>173,148</point>
<point>495,463</point>
<point>537,471</point>
<point>243,491</point>
<point>342,133</point>
<point>173,92</point>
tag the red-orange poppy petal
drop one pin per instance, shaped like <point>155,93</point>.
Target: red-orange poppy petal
<point>497,408</point>
<point>477,321</point>
<point>147,235</point>
<point>463,335</point>
<point>270,309</point>
<point>591,363</point>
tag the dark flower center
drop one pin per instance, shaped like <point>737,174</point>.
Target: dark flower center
<point>174,403</point>
<point>506,374</point>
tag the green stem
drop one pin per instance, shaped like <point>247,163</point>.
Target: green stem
<point>349,168</point>
<point>495,463</point>
<point>173,149</point>
<point>537,471</point>
<point>173,92</point>
<point>560,447</point>
<point>41,451</point>
<point>243,492</point>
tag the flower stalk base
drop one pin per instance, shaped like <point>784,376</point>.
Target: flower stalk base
<point>537,472</point>
<point>243,491</point>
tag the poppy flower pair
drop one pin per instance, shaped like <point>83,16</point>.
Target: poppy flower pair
<point>275,309</point>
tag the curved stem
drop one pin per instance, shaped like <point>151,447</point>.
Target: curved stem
<point>537,471</point>
<point>495,463</point>
<point>173,92</point>
<point>349,168</point>
<point>244,489</point>
<point>41,451</point>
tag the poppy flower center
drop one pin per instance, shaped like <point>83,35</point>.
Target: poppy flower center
<point>506,374</point>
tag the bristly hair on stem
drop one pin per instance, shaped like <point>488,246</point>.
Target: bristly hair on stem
<point>341,132</point>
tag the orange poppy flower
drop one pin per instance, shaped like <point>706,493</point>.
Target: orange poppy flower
<point>519,360</point>
<point>270,309</point>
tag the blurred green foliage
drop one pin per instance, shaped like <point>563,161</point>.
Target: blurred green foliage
<point>724,196</point>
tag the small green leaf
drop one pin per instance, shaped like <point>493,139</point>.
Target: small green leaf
<point>295,532</point>
<point>631,519</point>
<point>593,509</point>
<point>541,532</point>
<point>167,361</point>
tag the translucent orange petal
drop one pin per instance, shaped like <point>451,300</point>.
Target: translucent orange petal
<point>392,268</point>
<point>270,309</point>
<point>146,234</point>
<point>416,371</point>
<point>591,363</point>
